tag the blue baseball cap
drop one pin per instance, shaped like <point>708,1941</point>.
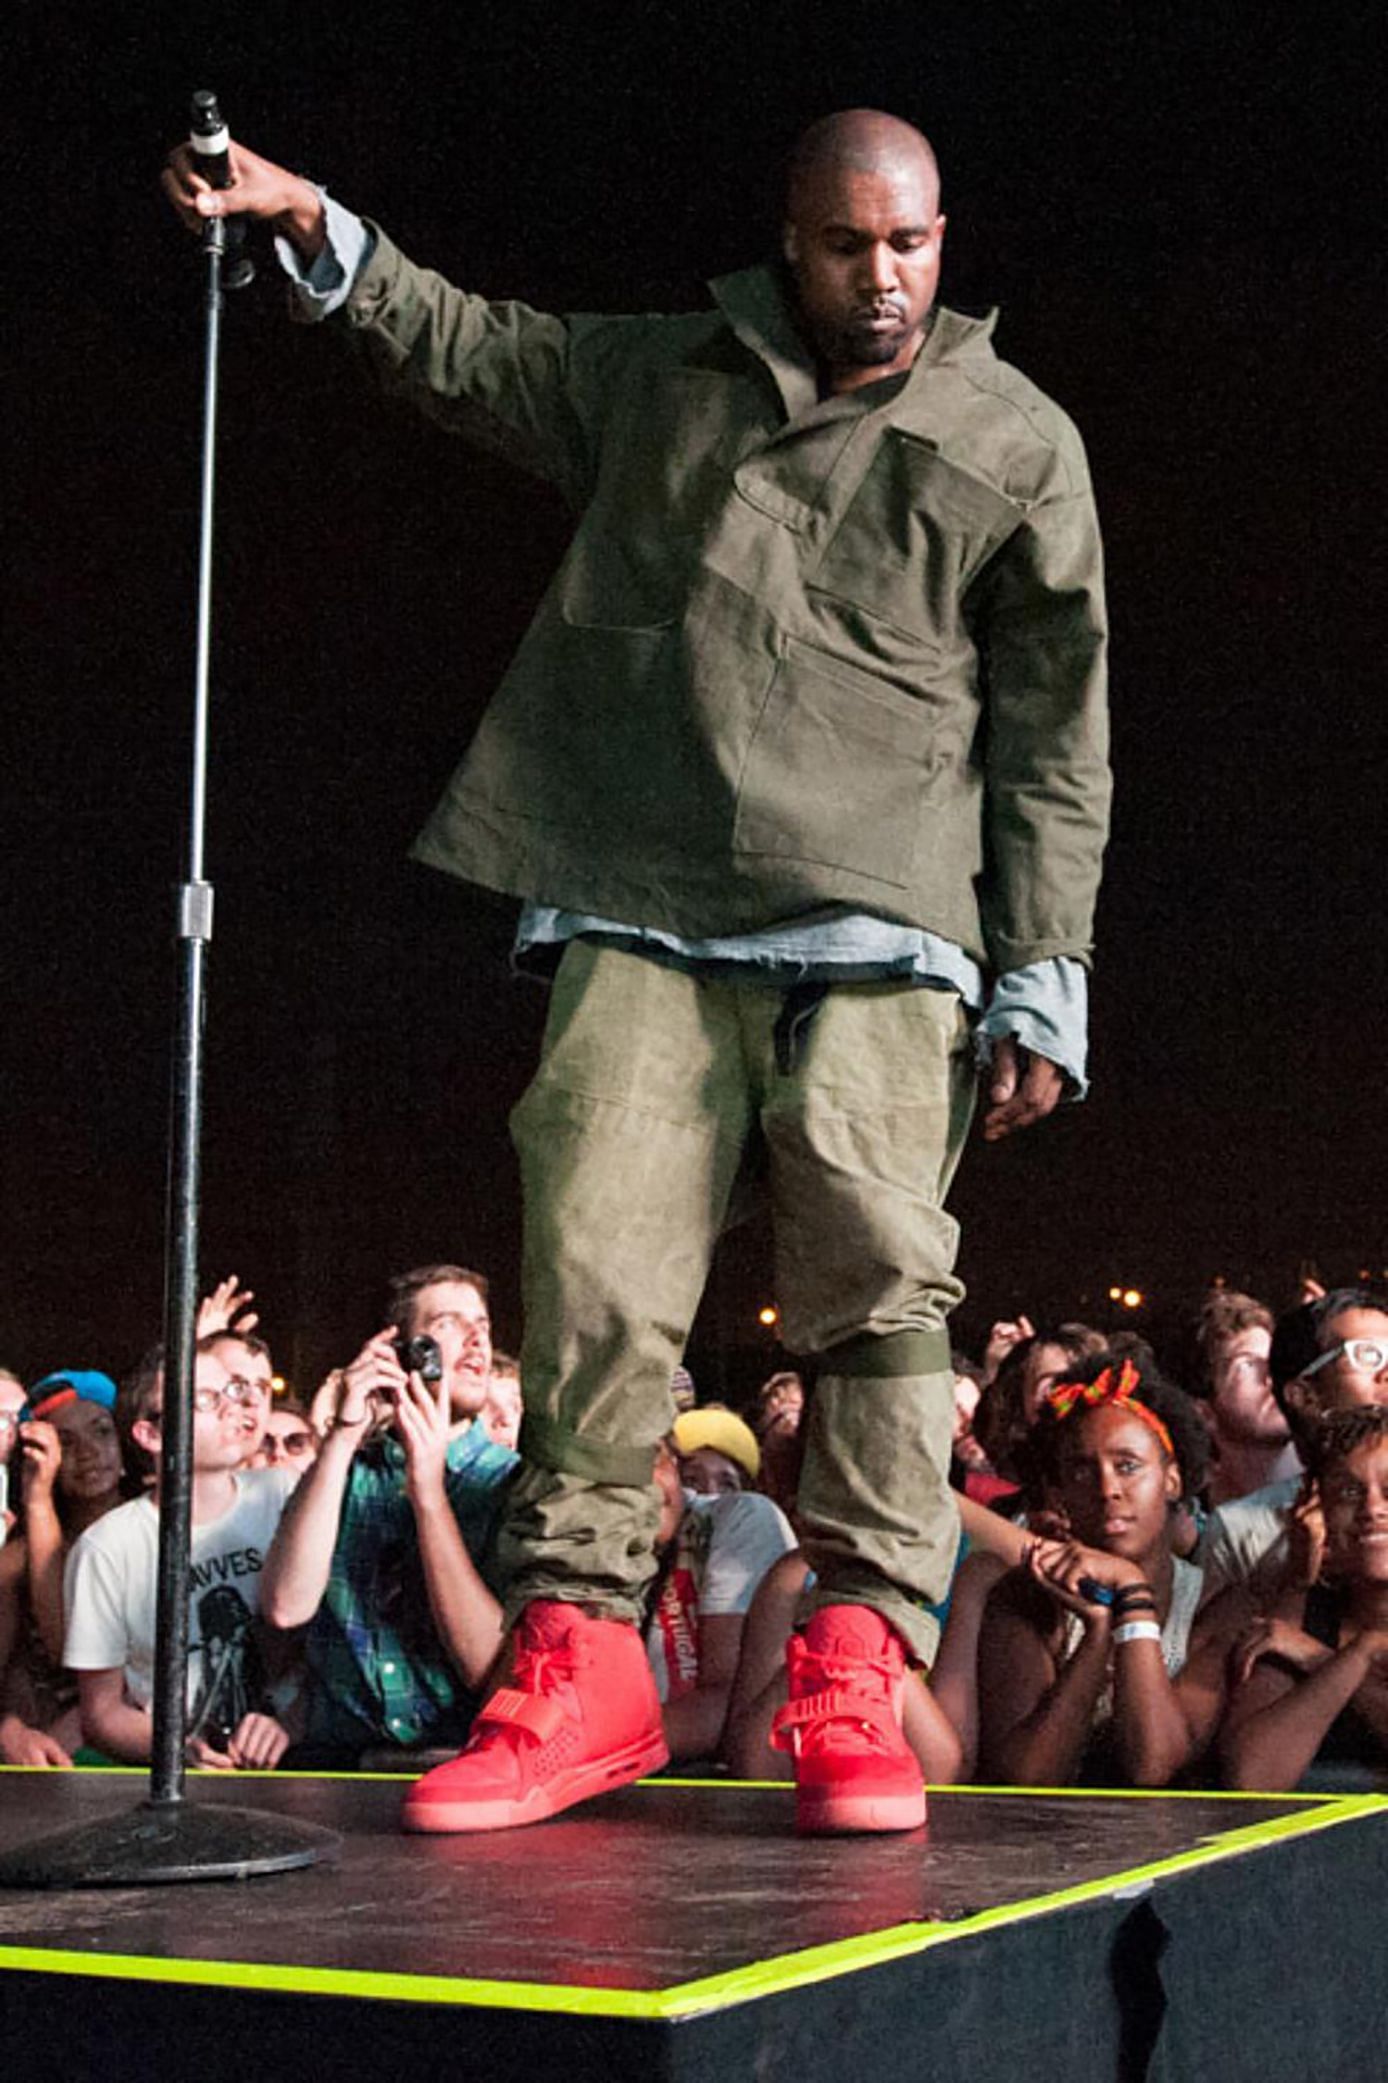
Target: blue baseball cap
<point>69,1385</point>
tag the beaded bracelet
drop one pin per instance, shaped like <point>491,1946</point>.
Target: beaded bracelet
<point>1134,1595</point>
<point>1137,1631</point>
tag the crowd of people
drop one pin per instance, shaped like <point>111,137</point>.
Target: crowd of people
<point>1155,1584</point>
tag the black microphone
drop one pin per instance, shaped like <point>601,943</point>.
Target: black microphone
<point>209,138</point>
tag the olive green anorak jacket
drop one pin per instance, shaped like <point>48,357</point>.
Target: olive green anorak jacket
<point>802,650</point>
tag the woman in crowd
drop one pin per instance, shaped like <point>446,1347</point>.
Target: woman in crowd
<point>940,1709</point>
<point>1092,1667</point>
<point>1014,1395</point>
<point>716,1450</point>
<point>72,1477</point>
<point>1313,1691</point>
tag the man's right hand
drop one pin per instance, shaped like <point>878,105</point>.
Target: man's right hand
<point>258,188</point>
<point>370,1386</point>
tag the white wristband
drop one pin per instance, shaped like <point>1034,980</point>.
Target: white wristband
<point>1137,1631</point>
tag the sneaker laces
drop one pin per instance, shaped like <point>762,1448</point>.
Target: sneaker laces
<point>847,1702</point>
<point>547,1667</point>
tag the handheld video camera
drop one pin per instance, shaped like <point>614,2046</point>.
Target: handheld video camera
<point>420,1356</point>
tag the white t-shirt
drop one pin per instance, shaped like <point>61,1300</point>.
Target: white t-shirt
<point>110,1591</point>
<point>724,1547</point>
<point>1245,1541</point>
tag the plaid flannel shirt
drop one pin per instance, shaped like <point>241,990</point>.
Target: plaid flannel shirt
<point>377,1670</point>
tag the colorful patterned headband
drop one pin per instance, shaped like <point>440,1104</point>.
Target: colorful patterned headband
<point>1067,1396</point>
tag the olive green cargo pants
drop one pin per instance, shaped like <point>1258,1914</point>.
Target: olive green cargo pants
<point>652,1088</point>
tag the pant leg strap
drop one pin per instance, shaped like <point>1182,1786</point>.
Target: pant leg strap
<point>894,1353</point>
<point>546,1444</point>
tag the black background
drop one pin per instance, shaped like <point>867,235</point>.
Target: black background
<point>1182,220</point>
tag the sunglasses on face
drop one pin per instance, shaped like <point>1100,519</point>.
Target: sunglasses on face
<point>289,1443</point>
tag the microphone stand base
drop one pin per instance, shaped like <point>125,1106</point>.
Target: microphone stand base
<point>161,1843</point>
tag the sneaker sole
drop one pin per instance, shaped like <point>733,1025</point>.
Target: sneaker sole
<point>440,1815</point>
<point>825,1814</point>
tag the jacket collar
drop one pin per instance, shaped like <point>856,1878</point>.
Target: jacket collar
<point>757,305</point>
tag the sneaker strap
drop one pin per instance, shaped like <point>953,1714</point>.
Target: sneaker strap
<point>840,1703</point>
<point>539,1717</point>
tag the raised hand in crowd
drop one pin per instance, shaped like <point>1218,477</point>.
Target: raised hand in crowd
<point>227,1308</point>
<point>41,1452</point>
<point>465,1612</point>
<point>323,1408</point>
<point>423,1421</point>
<point>353,1404</point>
<point>1001,1339</point>
<point>1306,1536</point>
<point>369,1385</point>
<point>46,1546</point>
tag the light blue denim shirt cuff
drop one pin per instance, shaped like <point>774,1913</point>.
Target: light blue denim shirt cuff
<point>326,283</point>
<point>1046,1006</point>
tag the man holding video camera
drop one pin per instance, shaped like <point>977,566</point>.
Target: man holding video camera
<point>384,1550</point>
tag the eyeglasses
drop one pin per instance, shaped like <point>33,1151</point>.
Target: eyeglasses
<point>237,1391</point>
<point>1369,1355</point>
<point>9,1421</point>
<point>241,1389</point>
<point>242,1393</point>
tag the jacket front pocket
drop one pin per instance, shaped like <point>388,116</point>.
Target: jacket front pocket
<point>916,531</point>
<point>839,769</point>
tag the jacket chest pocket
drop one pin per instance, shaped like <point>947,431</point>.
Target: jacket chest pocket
<point>914,534</point>
<point>664,474</point>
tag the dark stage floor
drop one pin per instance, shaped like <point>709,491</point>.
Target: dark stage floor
<point>668,1904</point>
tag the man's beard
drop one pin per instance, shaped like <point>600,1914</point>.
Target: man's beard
<point>860,347</point>
<point>1261,1428</point>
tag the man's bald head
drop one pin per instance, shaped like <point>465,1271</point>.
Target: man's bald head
<point>862,239</point>
<point>863,141</point>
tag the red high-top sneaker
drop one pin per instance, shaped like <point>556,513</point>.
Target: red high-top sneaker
<point>579,1717</point>
<point>854,1769</point>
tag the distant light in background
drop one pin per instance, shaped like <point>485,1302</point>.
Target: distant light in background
<point>769,1315</point>
<point>278,1384</point>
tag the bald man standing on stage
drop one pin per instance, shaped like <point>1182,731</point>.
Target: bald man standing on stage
<point>801,774</point>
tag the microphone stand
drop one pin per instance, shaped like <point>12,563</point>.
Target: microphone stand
<point>167,1838</point>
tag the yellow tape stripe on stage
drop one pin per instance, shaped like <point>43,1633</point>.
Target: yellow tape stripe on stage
<point>715,1992</point>
<point>871,1949</point>
<point>1012,1793</point>
<point>326,1981</point>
